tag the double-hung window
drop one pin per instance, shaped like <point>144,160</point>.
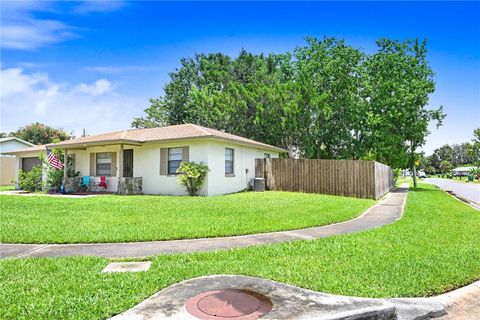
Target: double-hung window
<point>174,159</point>
<point>229,161</point>
<point>104,164</point>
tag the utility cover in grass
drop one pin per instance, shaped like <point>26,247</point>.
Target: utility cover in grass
<point>127,266</point>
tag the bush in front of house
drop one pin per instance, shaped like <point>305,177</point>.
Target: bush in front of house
<point>54,177</point>
<point>31,181</point>
<point>191,175</point>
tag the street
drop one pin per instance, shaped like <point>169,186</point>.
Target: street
<point>469,191</point>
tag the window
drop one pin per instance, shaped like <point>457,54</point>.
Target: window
<point>104,164</point>
<point>229,156</point>
<point>174,159</point>
<point>266,155</point>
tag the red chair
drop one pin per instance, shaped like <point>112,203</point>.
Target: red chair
<point>102,185</point>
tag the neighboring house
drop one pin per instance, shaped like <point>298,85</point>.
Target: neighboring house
<point>461,171</point>
<point>8,162</point>
<point>155,154</point>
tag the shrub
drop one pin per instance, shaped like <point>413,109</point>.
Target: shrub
<point>396,174</point>
<point>31,181</point>
<point>191,175</point>
<point>54,177</point>
<point>446,166</point>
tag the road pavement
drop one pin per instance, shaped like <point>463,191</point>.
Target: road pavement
<point>470,191</point>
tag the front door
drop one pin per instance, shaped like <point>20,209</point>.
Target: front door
<point>128,163</point>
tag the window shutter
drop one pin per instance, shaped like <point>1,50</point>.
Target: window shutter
<point>163,161</point>
<point>92,164</point>
<point>114,165</point>
<point>185,154</point>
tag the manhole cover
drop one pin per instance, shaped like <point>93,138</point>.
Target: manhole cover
<point>229,304</point>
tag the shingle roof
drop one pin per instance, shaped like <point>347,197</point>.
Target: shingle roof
<point>140,136</point>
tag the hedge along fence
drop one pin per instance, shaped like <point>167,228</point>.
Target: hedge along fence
<point>351,178</point>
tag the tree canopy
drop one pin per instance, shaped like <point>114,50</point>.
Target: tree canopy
<point>38,133</point>
<point>326,99</point>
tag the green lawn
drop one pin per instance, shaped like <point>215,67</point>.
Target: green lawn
<point>142,218</point>
<point>401,180</point>
<point>7,188</point>
<point>432,249</point>
<point>464,180</point>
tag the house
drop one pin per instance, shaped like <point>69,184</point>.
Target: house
<point>148,158</point>
<point>7,161</point>
<point>462,171</point>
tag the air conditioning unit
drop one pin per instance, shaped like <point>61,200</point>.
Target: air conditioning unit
<point>258,184</point>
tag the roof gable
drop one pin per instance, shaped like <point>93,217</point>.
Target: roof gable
<point>26,143</point>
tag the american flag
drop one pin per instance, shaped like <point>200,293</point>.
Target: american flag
<point>53,160</point>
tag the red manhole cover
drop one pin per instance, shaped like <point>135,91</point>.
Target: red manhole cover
<point>229,304</point>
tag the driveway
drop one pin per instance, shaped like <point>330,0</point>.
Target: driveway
<point>469,191</point>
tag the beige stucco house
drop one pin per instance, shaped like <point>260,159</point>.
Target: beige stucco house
<point>8,161</point>
<point>154,155</point>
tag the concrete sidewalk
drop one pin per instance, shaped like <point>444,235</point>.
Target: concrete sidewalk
<point>387,211</point>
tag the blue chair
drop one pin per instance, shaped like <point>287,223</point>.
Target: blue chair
<point>85,183</point>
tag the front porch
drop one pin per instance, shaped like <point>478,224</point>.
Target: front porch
<point>118,185</point>
<point>112,162</point>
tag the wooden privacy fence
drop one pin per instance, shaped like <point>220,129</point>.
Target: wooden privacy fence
<point>352,178</point>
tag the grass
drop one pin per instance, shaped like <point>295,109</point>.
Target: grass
<point>142,218</point>
<point>432,249</point>
<point>7,188</point>
<point>401,180</point>
<point>465,180</point>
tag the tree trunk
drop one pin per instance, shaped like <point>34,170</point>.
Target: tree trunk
<point>414,175</point>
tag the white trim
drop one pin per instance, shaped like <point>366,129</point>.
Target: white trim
<point>17,139</point>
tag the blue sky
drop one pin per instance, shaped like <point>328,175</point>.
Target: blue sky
<point>94,65</point>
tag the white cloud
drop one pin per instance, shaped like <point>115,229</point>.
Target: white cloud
<point>21,30</point>
<point>98,6</point>
<point>30,97</point>
<point>32,33</point>
<point>99,87</point>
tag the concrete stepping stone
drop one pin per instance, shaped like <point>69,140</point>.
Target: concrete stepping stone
<point>127,266</point>
<point>248,298</point>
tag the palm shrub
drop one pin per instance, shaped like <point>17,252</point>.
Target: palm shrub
<point>191,175</point>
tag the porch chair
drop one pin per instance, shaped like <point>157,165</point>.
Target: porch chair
<point>102,185</point>
<point>85,185</point>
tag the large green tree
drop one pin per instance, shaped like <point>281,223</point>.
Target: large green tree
<point>328,76</point>
<point>474,147</point>
<point>251,95</point>
<point>399,83</point>
<point>324,100</point>
<point>38,133</point>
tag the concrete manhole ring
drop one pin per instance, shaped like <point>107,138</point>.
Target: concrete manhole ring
<point>232,304</point>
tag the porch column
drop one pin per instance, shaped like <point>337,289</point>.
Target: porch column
<point>120,162</point>
<point>65,169</point>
